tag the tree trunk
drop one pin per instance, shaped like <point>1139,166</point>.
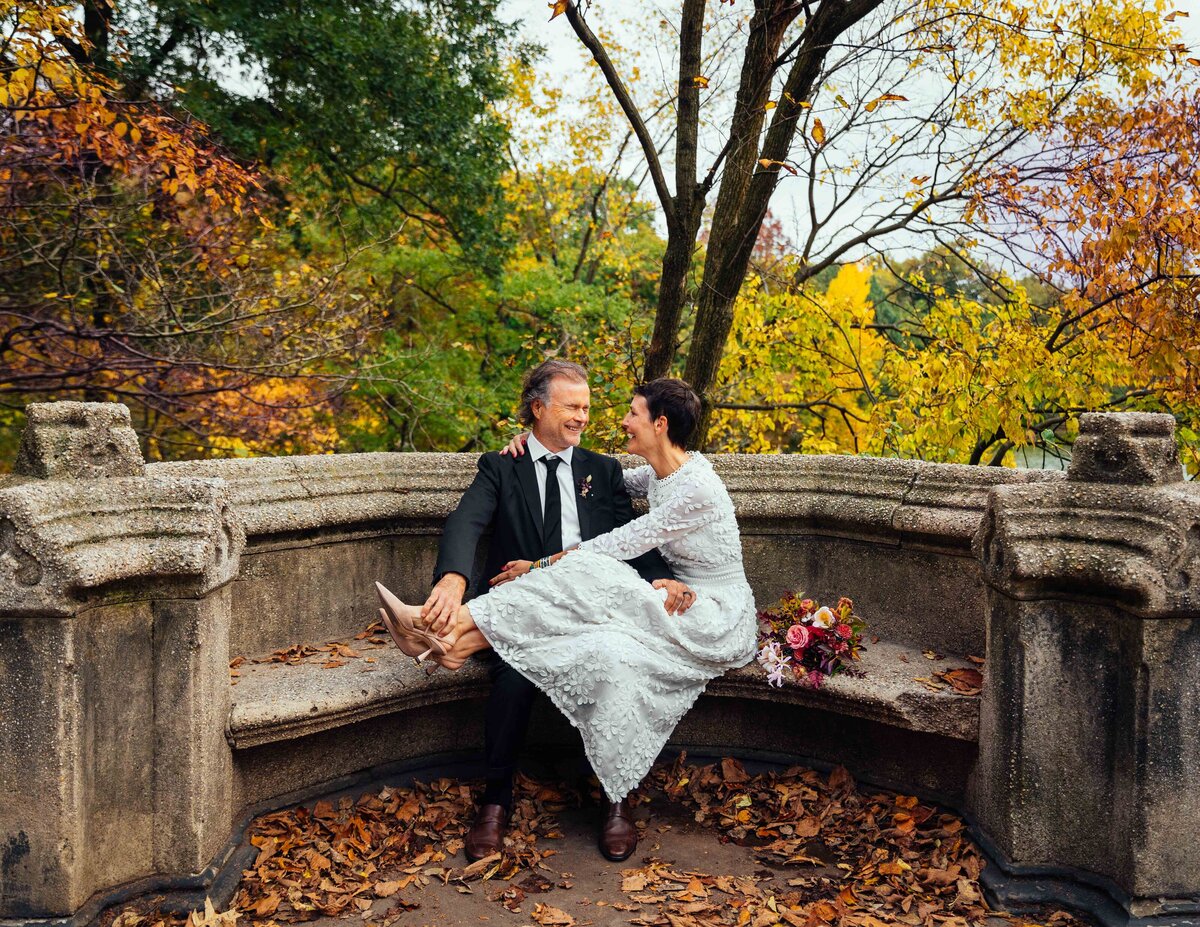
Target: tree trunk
<point>725,266</point>
<point>672,296</point>
<point>688,202</point>
<point>748,184</point>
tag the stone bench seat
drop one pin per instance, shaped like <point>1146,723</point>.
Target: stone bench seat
<point>275,701</point>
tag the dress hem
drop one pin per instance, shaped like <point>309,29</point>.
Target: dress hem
<point>506,653</point>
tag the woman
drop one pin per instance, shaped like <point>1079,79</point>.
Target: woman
<point>591,633</point>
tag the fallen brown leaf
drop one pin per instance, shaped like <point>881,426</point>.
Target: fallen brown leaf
<point>550,916</point>
<point>966,680</point>
<point>211,918</point>
<point>479,867</point>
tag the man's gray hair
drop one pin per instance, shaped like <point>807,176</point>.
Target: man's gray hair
<point>537,385</point>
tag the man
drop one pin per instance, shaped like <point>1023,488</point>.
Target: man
<point>547,500</point>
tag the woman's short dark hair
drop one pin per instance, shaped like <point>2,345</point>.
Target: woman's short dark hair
<point>677,401</point>
<point>537,385</point>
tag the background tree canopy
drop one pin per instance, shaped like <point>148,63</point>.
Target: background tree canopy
<point>383,105</point>
<point>284,227</point>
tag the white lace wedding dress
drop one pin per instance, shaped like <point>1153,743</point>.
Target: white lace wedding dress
<point>594,636</point>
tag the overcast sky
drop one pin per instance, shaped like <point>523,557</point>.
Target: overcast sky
<point>563,57</point>
<point>562,46</point>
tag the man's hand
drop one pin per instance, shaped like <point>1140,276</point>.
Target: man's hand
<point>444,601</point>
<point>679,596</point>
<point>512,570</point>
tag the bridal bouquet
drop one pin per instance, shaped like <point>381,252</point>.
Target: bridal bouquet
<point>814,640</point>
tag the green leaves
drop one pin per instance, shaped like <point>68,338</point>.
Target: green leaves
<point>381,110</point>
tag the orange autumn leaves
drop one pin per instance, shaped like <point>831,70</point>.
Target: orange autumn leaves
<point>60,114</point>
<point>341,858</point>
<point>830,852</point>
<point>1118,227</point>
<point>140,263</point>
<point>860,856</point>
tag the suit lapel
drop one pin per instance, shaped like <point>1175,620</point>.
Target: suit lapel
<point>580,471</point>
<point>527,480</point>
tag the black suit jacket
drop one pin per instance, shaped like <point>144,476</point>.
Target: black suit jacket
<point>504,497</point>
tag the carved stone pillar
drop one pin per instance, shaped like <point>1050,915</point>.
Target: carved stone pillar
<point>114,684</point>
<point>1089,756</point>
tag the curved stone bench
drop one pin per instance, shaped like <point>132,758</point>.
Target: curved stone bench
<point>128,759</point>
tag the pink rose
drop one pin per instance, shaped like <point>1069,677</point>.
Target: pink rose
<point>844,631</point>
<point>798,637</point>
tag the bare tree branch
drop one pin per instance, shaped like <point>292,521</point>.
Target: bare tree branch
<point>621,92</point>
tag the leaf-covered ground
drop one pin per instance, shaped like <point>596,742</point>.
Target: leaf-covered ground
<point>720,846</point>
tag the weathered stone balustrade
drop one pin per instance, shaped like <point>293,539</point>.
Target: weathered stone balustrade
<point>129,762</point>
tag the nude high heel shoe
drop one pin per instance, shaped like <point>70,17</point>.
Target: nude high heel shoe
<point>406,644</point>
<point>400,627</point>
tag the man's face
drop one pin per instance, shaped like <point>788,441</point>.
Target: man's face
<point>559,424</point>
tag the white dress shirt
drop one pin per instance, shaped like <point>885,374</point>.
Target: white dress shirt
<point>566,488</point>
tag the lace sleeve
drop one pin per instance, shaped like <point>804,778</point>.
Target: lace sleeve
<point>690,507</point>
<point>637,481</point>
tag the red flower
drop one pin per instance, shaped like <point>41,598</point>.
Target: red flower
<point>844,631</point>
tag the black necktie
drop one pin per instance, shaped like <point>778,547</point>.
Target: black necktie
<point>552,516</point>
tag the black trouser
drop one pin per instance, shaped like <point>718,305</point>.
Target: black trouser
<point>506,721</point>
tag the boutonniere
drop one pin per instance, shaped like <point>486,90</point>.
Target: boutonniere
<point>585,486</point>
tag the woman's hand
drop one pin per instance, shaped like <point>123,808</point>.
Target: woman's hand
<point>516,446</point>
<point>512,570</point>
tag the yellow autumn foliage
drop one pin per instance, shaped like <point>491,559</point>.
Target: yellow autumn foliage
<point>813,372</point>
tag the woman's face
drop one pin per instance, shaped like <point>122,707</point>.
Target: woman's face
<point>644,435</point>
